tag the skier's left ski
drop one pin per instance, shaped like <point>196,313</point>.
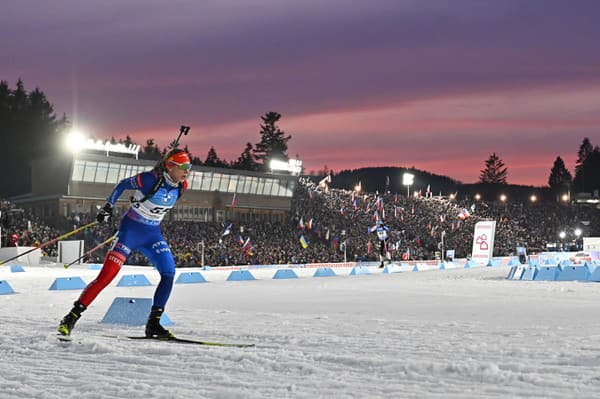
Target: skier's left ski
<point>190,341</point>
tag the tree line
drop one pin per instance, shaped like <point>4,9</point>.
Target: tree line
<point>273,145</point>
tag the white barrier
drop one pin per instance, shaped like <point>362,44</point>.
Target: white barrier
<point>32,258</point>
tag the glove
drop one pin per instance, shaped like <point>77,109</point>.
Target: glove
<point>105,214</point>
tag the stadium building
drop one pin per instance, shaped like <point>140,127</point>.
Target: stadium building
<point>77,184</point>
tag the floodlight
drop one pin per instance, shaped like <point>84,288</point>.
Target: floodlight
<point>407,180</point>
<point>279,165</point>
<point>75,141</point>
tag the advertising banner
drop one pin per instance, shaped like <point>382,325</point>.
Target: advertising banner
<point>483,242</point>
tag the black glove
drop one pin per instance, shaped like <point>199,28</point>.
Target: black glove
<point>105,214</point>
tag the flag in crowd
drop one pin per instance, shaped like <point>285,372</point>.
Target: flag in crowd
<point>239,239</point>
<point>247,247</point>
<point>233,201</point>
<point>227,230</point>
<point>463,214</point>
<point>303,242</point>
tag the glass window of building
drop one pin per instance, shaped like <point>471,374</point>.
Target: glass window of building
<point>206,181</point>
<point>268,186</point>
<point>101,172</point>
<point>279,188</point>
<point>123,171</point>
<point>215,182</point>
<point>90,171</point>
<point>78,167</point>
<point>261,186</point>
<point>243,185</point>
<point>253,185</point>
<point>113,173</point>
<point>233,183</point>
<point>197,180</point>
<point>224,185</point>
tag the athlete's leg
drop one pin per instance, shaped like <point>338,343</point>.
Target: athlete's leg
<point>159,253</point>
<point>161,257</point>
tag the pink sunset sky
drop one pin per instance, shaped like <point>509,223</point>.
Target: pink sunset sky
<point>438,85</point>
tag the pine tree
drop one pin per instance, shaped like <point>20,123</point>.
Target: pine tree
<point>560,178</point>
<point>150,150</point>
<point>585,149</point>
<point>494,172</point>
<point>246,159</point>
<point>587,178</point>
<point>581,173</point>
<point>213,160</point>
<point>273,144</point>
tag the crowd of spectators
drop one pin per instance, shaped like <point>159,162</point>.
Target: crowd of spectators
<point>332,225</point>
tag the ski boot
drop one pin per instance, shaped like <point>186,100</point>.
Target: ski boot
<point>153,327</point>
<point>68,322</point>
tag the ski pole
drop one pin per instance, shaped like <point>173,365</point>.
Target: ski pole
<point>77,230</point>
<point>97,247</point>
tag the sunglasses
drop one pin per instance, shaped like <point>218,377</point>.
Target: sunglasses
<point>182,166</point>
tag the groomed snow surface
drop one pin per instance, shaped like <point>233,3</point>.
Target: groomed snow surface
<point>461,333</point>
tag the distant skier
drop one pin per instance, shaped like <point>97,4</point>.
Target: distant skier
<point>156,192</point>
<point>383,233</point>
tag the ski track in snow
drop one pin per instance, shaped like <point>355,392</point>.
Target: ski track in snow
<point>464,333</point>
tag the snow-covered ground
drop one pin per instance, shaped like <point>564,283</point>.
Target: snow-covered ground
<point>461,333</point>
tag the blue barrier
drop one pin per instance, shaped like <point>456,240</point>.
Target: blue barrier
<point>240,275</point>
<point>285,273</point>
<point>132,312</point>
<point>393,268</point>
<point>514,261</point>
<point>67,283</point>
<point>533,262</point>
<point>324,272</point>
<point>546,273</point>
<point>134,280</point>
<point>573,273</point>
<point>594,273</point>
<point>16,268</point>
<point>515,272</point>
<point>497,262</point>
<point>95,266</point>
<point>566,262</point>
<point>359,270</point>
<point>470,264</point>
<point>190,278</point>
<point>529,273</point>
<point>5,288</point>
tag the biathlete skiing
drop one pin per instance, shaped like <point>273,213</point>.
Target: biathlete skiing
<point>383,233</point>
<point>156,192</point>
